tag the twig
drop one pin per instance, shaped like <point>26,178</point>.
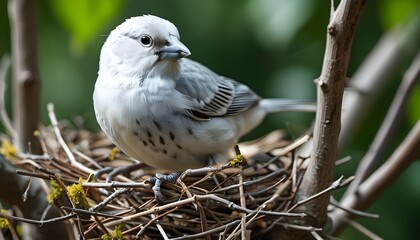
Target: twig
<point>90,160</point>
<point>4,65</point>
<point>154,219</point>
<point>341,182</point>
<point>12,229</point>
<point>244,233</point>
<point>290,147</point>
<point>162,231</point>
<point>214,230</point>
<point>299,227</point>
<point>72,159</point>
<point>116,185</point>
<point>204,170</point>
<point>235,232</point>
<point>363,230</point>
<point>107,200</point>
<point>316,235</point>
<point>256,193</point>
<point>251,182</point>
<point>37,222</point>
<point>336,204</point>
<point>100,225</point>
<point>343,160</point>
<point>89,212</point>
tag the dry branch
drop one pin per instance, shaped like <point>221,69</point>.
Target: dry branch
<point>372,187</point>
<point>374,74</point>
<point>330,85</point>
<point>389,126</point>
<point>25,74</point>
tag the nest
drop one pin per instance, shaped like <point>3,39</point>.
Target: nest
<point>219,202</point>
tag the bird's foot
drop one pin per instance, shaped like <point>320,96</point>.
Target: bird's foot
<point>157,180</point>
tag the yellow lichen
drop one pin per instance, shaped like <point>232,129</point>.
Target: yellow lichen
<point>4,223</point>
<point>37,133</point>
<point>19,229</point>
<point>55,191</point>
<point>237,160</point>
<point>77,195</point>
<point>114,235</point>
<point>112,154</point>
<point>7,149</point>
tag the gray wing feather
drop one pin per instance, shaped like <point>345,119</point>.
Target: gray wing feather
<point>212,94</point>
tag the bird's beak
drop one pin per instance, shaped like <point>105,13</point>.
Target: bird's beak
<point>173,49</point>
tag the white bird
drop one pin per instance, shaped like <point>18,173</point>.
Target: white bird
<point>167,111</point>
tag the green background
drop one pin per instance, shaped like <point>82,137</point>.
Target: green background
<point>274,46</point>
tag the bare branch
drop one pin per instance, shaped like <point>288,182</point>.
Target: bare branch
<point>373,75</point>
<point>4,66</point>
<point>26,79</point>
<point>364,230</point>
<point>370,189</point>
<point>388,127</point>
<point>327,123</point>
<point>341,182</point>
<point>336,204</point>
<point>63,143</point>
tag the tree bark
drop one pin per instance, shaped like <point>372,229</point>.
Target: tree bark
<point>330,88</point>
<point>25,74</point>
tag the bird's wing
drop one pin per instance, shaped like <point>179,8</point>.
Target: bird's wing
<point>213,95</point>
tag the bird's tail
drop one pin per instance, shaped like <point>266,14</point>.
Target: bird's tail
<point>287,105</point>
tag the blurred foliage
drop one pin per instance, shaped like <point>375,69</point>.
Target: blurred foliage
<point>413,106</point>
<point>274,46</point>
<point>395,12</point>
<point>83,19</point>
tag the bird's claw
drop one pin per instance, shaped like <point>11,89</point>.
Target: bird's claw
<point>157,181</point>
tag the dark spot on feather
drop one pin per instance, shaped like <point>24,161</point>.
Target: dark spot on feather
<point>162,141</point>
<point>172,136</point>
<point>164,151</point>
<point>138,122</point>
<point>190,131</point>
<point>144,143</point>
<point>157,125</point>
<point>149,134</point>
<point>135,133</point>
<point>175,156</point>
<point>151,142</point>
<point>179,146</point>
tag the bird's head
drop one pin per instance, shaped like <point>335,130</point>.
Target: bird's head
<point>139,45</point>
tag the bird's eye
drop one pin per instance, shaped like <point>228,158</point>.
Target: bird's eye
<point>146,40</point>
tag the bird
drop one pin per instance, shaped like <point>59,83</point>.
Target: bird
<point>170,112</point>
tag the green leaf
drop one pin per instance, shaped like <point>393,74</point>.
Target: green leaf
<point>84,18</point>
